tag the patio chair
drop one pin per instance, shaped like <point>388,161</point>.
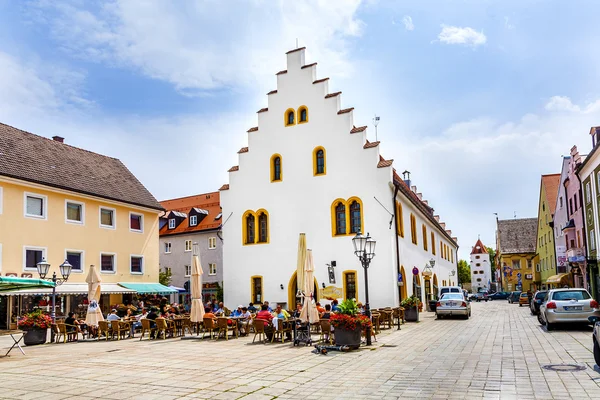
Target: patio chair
<point>187,324</point>
<point>224,328</point>
<point>283,329</point>
<point>67,332</point>
<point>147,327</point>
<point>119,328</point>
<point>326,331</point>
<point>163,327</point>
<point>259,330</point>
<point>375,319</point>
<point>209,326</point>
<point>104,328</point>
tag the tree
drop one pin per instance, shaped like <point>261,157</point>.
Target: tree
<point>164,277</point>
<point>492,254</point>
<point>464,272</point>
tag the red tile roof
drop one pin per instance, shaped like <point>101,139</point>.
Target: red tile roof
<point>320,80</point>
<point>385,163</point>
<point>309,65</point>
<point>345,110</point>
<point>551,183</point>
<point>479,248</point>
<point>234,168</point>
<point>262,110</point>
<point>369,145</point>
<point>332,94</point>
<point>298,49</point>
<point>243,150</point>
<point>282,72</point>
<point>224,187</point>
<point>37,159</point>
<point>272,92</point>
<point>253,129</point>
<point>207,201</point>
<point>359,129</point>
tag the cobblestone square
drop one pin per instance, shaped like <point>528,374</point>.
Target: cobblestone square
<point>497,354</point>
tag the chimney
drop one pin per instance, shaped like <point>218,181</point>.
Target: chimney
<point>58,139</point>
<point>437,218</point>
<point>414,189</point>
<point>406,177</point>
<point>420,196</point>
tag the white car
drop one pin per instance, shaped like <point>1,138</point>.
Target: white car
<point>453,304</point>
<point>573,305</point>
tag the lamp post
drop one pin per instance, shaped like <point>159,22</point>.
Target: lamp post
<point>452,273</point>
<point>65,270</point>
<point>364,249</point>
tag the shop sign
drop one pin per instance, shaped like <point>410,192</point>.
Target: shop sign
<point>332,292</point>
<point>577,259</point>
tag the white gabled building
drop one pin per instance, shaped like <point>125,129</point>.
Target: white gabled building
<point>481,272</point>
<point>307,168</point>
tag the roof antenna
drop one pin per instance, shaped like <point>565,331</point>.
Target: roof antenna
<point>376,122</point>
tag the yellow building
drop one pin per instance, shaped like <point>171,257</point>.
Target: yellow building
<point>545,246</point>
<point>59,202</point>
<point>515,253</point>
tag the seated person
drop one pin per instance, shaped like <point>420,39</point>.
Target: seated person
<point>209,314</point>
<point>220,309</point>
<point>320,308</point>
<point>327,313</point>
<point>334,306</point>
<point>298,311</point>
<point>238,312</point>
<point>152,315</point>
<point>267,317</point>
<point>281,313</point>
<point>245,321</point>
<point>72,326</point>
<point>251,308</point>
<point>361,308</point>
<point>269,309</point>
<point>113,316</point>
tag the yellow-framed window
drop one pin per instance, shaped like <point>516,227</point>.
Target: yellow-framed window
<point>424,228</point>
<point>400,218</point>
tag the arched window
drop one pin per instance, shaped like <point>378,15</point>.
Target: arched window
<point>263,227</point>
<point>400,219</point>
<point>433,243</point>
<point>250,228</point>
<point>302,115</point>
<point>276,170</point>
<point>319,167</point>
<point>424,237</point>
<point>355,217</point>
<point>340,219</point>
<point>413,229</point>
<point>290,117</point>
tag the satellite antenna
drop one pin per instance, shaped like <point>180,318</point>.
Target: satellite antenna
<point>376,122</point>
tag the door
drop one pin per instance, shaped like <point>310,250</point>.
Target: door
<point>4,325</point>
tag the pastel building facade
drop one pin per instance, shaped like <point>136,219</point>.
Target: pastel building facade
<point>545,246</point>
<point>481,272</point>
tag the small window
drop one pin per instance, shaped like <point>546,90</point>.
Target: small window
<point>319,161</point>
<point>400,218</point>
<point>424,228</point>
<point>432,243</point>
<point>107,217</point>
<point>355,217</point>
<point>167,247</point>
<point>588,193</point>
<point>302,115</point>
<point>349,285</point>
<point>75,258</point>
<point>136,222</point>
<point>477,264</point>
<point>516,264</point>
<point>290,117</point>
<point>212,243</point>
<point>276,168</point>
<point>592,240</point>
<point>478,279</point>
<point>172,223</point>
<point>256,289</point>
<point>35,206</point>
<point>212,269</point>
<point>193,220</point>
<point>263,228</point>
<point>413,229</point>
<point>188,245</point>
<point>137,265</point>
<point>477,257</point>
<point>188,270</point>
<point>74,212</point>
<point>33,255</point>
<point>107,263</point>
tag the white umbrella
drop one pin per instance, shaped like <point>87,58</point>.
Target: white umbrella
<point>94,314</point>
<point>197,311</point>
<point>309,309</point>
<point>301,264</point>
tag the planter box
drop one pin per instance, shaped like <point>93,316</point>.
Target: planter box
<point>344,337</point>
<point>35,336</point>
<point>411,314</point>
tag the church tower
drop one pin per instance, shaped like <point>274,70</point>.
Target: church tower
<point>481,273</point>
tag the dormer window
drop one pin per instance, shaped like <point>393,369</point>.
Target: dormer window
<point>172,223</point>
<point>193,220</point>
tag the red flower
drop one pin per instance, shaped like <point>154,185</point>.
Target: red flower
<point>349,322</point>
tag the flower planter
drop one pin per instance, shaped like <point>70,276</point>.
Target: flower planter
<point>411,314</point>
<point>35,336</point>
<point>344,337</point>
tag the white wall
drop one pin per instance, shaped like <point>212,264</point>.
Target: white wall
<point>484,266</point>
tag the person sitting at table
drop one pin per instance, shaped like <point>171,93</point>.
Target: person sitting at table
<point>214,305</point>
<point>327,313</point>
<point>297,311</point>
<point>334,305</point>
<point>209,314</point>
<point>137,323</point>
<point>152,315</point>
<point>320,308</point>
<point>113,316</point>
<point>237,312</point>
<point>245,321</point>
<point>72,326</point>
<point>361,308</point>
<point>266,303</point>
<point>251,308</point>
<point>281,313</point>
<point>267,317</point>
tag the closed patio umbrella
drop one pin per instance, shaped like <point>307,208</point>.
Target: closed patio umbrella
<point>94,314</point>
<point>301,264</point>
<point>309,309</point>
<point>197,310</point>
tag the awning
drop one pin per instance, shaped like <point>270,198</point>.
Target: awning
<point>70,288</point>
<point>555,279</point>
<point>10,283</point>
<point>147,288</point>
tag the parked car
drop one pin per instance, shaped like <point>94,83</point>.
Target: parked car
<point>451,304</point>
<point>514,297</point>
<point>596,338</point>
<point>449,289</point>
<point>573,305</point>
<point>536,301</point>
<point>523,299</point>
<point>499,296</point>
<point>479,296</point>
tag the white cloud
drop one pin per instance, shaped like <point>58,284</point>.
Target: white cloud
<point>408,23</point>
<point>564,103</point>
<point>458,35</point>
<point>192,46</point>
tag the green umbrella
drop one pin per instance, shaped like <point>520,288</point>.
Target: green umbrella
<point>11,283</point>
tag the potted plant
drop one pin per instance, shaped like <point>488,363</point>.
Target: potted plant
<point>348,324</point>
<point>35,325</point>
<point>412,305</point>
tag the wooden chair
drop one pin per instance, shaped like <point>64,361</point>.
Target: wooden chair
<point>283,329</point>
<point>259,330</point>
<point>187,324</point>
<point>163,327</point>
<point>375,319</point>
<point>67,332</point>
<point>398,313</point>
<point>147,327</point>
<point>118,328</point>
<point>209,326</point>
<point>224,328</point>
<point>326,331</point>
<point>104,328</point>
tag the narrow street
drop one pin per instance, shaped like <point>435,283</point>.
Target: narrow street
<point>497,354</point>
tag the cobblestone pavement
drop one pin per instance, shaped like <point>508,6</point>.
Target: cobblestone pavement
<point>497,354</point>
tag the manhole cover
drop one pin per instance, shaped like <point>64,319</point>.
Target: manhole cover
<point>564,367</point>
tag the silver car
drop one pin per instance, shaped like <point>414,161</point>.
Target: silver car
<point>453,304</point>
<point>573,305</point>
<point>596,338</point>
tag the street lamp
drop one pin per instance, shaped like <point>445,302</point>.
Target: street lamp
<point>43,267</point>
<point>452,273</point>
<point>364,249</point>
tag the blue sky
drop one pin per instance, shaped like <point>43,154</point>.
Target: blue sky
<point>477,98</point>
